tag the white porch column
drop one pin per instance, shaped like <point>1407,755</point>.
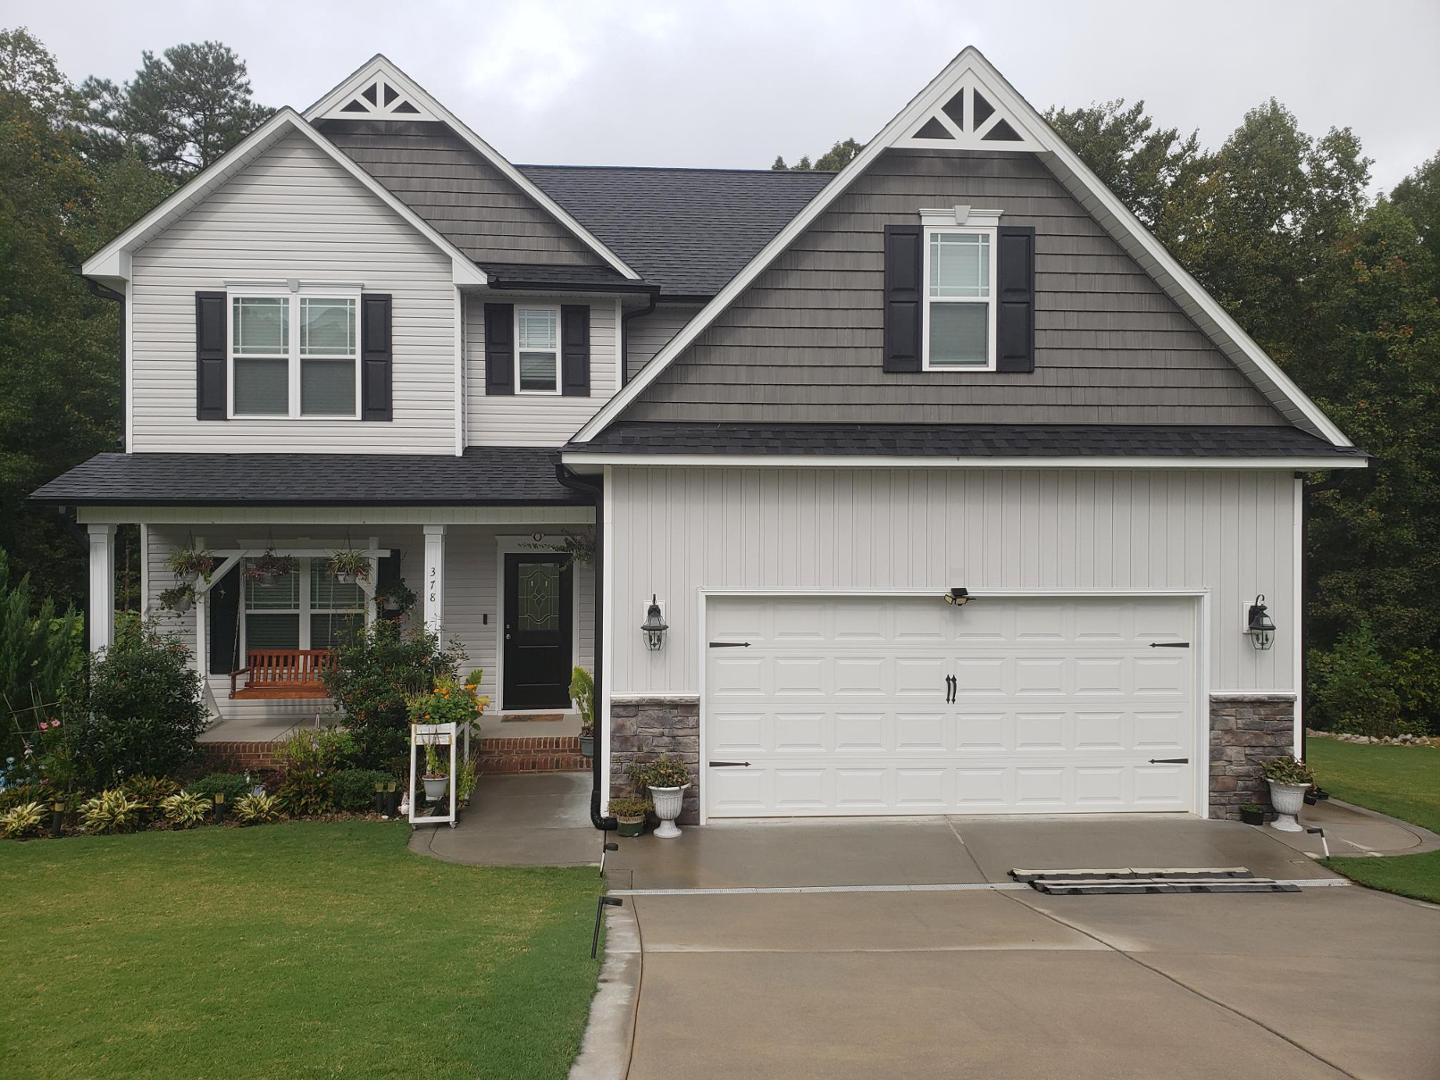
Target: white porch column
<point>101,614</point>
<point>434,577</point>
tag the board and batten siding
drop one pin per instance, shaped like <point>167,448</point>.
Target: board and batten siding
<point>535,419</point>
<point>467,200</point>
<point>676,531</point>
<point>472,614</point>
<point>646,335</point>
<point>803,342</point>
<point>293,213</point>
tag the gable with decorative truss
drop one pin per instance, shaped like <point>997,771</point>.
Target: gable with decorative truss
<point>969,120</point>
<point>378,98</point>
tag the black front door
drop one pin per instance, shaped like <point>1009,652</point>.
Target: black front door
<point>539,609</point>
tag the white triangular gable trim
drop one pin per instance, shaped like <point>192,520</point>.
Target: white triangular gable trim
<point>377,97</point>
<point>971,69</point>
<point>381,69</point>
<point>969,119</point>
<point>112,262</point>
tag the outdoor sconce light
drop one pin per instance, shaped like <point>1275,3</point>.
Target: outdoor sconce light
<point>654,626</point>
<point>1260,626</point>
<point>957,597</point>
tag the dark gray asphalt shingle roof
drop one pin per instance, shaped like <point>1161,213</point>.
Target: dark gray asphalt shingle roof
<point>688,230</point>
<point>960,440</point>
<point>485,475</point>
<point>520,276</point>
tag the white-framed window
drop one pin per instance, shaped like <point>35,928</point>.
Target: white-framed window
<point>958,320</point>
<point>294,354</point>
<point>537,349</point>
<point>309,608</point>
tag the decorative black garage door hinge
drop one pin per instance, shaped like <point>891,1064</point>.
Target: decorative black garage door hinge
<point>1169,644</point>
<point>729,644</point>
<point>1168,761</point>
<point>729,764</point>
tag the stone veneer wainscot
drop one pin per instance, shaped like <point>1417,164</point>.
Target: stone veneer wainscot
<point>1244,731</point>
<point>643,729</point>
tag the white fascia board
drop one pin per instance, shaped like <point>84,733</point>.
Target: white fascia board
<point>112,262</point>
<point>380,64</point>
<point>589,462</point>
<point>1124,227</point>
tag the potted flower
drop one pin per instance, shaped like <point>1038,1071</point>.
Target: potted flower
<point>350,566</point>
<point>1289,780</point>
<point>1252,814</point>
<point>179,598</point>
<point>270,566</point>
<point>667,780</point>
<point>395,598</point>
<point>630,814</point>
<point>188,563</point>
<point>582,692</point>
<point>437,772</point>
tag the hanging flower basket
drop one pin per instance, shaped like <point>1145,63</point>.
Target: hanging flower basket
<point>189,563</point>
<point>397,597</point>
<point>350,566</point>
<point>179,599</point>
<point>270,566</point>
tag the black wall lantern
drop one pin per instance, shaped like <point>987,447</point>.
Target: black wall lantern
<point>654,626</point>
<point>1261,628</point>
<point>957,597</point>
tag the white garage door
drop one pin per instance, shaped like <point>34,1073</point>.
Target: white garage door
<point>885,705</point>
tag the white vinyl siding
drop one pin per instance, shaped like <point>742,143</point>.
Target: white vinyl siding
<point>293,214</point>
<point>535,418</point>
<point>676,531</point>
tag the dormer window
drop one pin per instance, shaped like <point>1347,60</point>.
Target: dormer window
<point>537,349</point>
<point>294,354</point>
<point>959,274</point>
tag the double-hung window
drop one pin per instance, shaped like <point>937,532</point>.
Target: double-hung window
<point>959,297</point>
<point>308,608</point>
<point>537,349</point>
<point>295,354</point>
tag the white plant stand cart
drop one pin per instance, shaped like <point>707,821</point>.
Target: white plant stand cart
<point>422,735</point>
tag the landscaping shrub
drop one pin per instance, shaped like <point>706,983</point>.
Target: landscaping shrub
<point>22,820</point>
<point>43,793</point>
<point>185,809</point>
<point>374,677</point>
<point>111,811</point>
<point>1354,689</point>
<point>305,792</point>
<point>41,650</point>
<point>150,790</point>
<point>234,786</point>
<point>139,711</point>
<point>257,809</point>
<point>354,789</point>
<point>321,748</point>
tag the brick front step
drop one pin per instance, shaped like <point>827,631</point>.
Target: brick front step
<point>543,753</point>
<point>240,756</point>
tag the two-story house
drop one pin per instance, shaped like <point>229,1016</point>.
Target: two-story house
<point>953,491</point>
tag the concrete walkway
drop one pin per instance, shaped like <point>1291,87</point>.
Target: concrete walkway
<point>540,819</point>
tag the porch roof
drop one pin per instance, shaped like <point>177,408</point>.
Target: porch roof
<point>482,476</point>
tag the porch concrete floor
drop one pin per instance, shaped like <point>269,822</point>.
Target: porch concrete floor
<point>540,819</point>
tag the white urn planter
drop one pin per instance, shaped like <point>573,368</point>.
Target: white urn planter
<point>1287,800</point>
<point>668,801</point>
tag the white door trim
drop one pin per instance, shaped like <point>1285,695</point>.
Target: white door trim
<point>521,545</point>
<point>1200,750</point>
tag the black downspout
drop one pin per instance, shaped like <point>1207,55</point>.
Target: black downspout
<point>595,490</point>
<point>625,317</point>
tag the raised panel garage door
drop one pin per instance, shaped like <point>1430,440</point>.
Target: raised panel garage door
<point>846,705</point>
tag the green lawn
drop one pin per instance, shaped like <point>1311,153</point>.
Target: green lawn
<point>1402,781</point>
<point>303,949</point>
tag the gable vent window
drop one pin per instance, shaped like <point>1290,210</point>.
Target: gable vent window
<point>537,350</point>
<point>294,355</point>
<point>958,278</point>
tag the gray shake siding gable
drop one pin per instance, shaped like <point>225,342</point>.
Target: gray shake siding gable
<point>462,195</point>
<point>803,342</point>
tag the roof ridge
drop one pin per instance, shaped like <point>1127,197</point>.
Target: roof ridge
<point>683,168</point>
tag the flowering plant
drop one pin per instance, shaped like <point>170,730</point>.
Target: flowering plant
<point>448,702</point>
<point>269,566</point>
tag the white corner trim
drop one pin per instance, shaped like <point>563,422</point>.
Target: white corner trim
<point>381,65</point>
<point>870,461</point>
<point>112,261</point>
<point>972,68</point>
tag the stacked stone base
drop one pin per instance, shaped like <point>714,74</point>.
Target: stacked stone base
<point>650,728</point>
<point>1243,733</point>
<point>546,753</point>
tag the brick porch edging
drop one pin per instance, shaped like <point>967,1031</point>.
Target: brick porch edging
<point>1244,731</point>
<point>540,753</point>
<point>240,756</point>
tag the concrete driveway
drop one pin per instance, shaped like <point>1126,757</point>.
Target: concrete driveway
<point>917,959</point>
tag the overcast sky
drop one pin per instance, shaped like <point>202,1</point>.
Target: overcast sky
<point>734,82</point>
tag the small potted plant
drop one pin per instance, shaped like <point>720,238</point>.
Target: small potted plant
<point>350,566</point>
<point>630,814</point>
<point>270,566</point>
<point>179,598</point>
<point>667,780</point>
<point>188,563</point>
<point>437,772</point>
<point>1289,780</point>
<point>394,599</point>
<point>582,692</point>
<point>1252,814</point>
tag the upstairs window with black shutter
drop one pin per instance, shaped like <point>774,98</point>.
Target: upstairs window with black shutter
<point>295,354</point>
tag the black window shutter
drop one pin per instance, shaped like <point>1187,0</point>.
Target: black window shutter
<point>1015,317</point>
<point>499,349</point>
<point>902,297</point>
<point>222,603</point>
<point>377,359</point>
<point>575,350</point>
<point>210,374</point>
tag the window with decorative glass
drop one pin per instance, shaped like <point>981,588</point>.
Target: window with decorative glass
<point>959,330</point>
<point>294,355</point>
